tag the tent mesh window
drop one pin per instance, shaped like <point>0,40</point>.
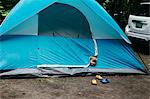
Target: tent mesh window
<point>63,20</point>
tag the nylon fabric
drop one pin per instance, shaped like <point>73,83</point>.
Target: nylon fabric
<point>102,26</point>
<point>116,54</point>
<point>70,23</point>
<point>43,50</point>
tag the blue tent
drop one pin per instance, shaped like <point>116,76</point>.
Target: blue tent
<point>61,36</point>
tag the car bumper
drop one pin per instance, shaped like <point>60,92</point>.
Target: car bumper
<point>137,35</point>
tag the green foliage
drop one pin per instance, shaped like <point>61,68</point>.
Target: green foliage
<point>6,6</point>
<point>120,9</point>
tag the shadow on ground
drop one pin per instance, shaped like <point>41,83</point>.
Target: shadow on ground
<point>140,46</point>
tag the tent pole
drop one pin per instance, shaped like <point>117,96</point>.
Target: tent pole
<point>95,47</point>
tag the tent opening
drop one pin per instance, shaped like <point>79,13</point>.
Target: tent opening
<point>63,20</point>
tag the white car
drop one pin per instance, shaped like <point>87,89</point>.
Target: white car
<point>139,23</point>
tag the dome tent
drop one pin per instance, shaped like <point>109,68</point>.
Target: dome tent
<point>62,35</point>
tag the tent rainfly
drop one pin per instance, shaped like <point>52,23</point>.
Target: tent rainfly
<point>59,37</point>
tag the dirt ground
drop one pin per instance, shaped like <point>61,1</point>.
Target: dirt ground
<point>120,87</point>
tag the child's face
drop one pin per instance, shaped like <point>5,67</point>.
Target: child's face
<point>93,61</point>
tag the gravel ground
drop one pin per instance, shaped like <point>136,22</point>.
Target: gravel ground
<point>121,87</point>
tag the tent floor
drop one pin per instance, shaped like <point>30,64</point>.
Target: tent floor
<point>40,72</point>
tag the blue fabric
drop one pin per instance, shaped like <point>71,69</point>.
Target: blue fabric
<point>116,54</point>
<point>70,23</point>
<point>30,51</point>
<point>101,12</point>
<point>23,11</point>
<point>18,52</point>
<point>101,24</point>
